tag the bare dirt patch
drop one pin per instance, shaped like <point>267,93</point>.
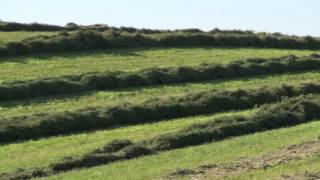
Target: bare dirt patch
<point>303,176</point>
<point>246,164</point>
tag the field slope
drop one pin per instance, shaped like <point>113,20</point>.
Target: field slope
<point>167,105</point>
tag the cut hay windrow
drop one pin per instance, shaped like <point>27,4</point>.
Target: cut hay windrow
<point>94,39</point>
<point>289,112</point>
<point>155,76</point>
<point>212,101</point>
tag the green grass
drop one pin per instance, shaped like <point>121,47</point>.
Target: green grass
<point>100,98</point>
<point>45,151</point>
<point>39,66</point>
<point>6,37</point>
<point>149,167</point>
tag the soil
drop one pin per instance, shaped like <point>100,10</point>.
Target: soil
<point>244,164</point>
<point>303,176</point>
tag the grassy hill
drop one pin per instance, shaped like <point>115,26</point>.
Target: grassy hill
<point>148,110</point>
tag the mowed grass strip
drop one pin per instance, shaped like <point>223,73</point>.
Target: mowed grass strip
<point>131,95</point>
<point>59,64</point>
<point>151,167</point>
<point>43,152</point>
<point>6,37</point>
<point>156,76</point>
<point>205,102</point>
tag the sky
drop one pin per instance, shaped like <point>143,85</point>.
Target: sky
<point>298,17</point>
